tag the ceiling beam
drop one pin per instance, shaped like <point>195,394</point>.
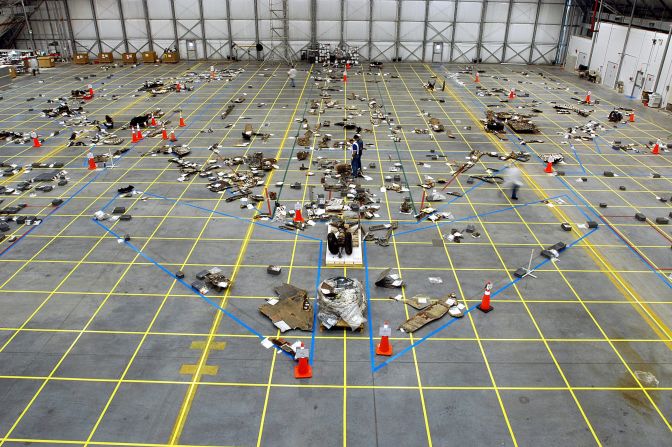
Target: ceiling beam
<point>95,25</point>
<point>148,26</point>
<point>123,25</point>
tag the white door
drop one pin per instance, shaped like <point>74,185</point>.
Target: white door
<point>610,74</point>
<point>649,83</point>
<point>582,59</point>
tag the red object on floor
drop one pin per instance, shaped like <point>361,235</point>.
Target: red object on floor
<point>549,168</point>
<point>153,122</point>
<point>632,117</point>
<point>656,148</point>
<point>134,136</point>
<point>173,138</point>
<point>303,370</point>
<point>36,141</point>
<point>164,133</point>
<point>384,347</point>
<point>485,301</point>
<point>588,97</point>
<point>477,79</point>
<point>345,75</point>
<point>140,137</point>
<point>92,162</point>
<point>177,87</point>
<point>512,93</point>
<point>182,123</point>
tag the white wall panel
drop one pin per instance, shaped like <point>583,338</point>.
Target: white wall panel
<point>384,10</point>
<point>242,30</point>
<point>159,9</point>
<point>299,30</point>
<point>215,29</point>
<point>469,11</point>
<point>523,12</point>
<point>441,11</point>
<point>163,29</point>
<point>110,29</point>
<point>356,10</point>
<point>466,32</point>
<point>328,10</point>
<point>132,9</point>
<point>411,31</point>
<point>186,9</point>
<point>383,31</point>
<point>136,28</point>
<point>80,9</point>
<point>242,9</point>
<point>298,10</point>
<point>496,12</point>
<point>214,9</point>
<point>328,30</point>
<point>413,11</point>
<point>107,9</point>
<point>356,31</point>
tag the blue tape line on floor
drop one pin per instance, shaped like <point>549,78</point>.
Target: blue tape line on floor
<point>188,286</point>
<point>316,304</point>
<point>368,305</point>
<point>453,320</point>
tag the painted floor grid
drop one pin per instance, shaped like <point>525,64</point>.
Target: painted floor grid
<point>101,345</point>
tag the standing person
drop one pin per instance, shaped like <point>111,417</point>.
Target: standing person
<point>513,180</point>
<point>34,67</point>
<point>292,74</point>
<point>357,150</point>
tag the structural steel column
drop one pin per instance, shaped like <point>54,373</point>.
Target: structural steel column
<point>342,42</point>
<point>625,44</point>
<point>30,30</point>
<point>564,32</point>
<point>72,33</point>
<point>370,28</point>
<point>172,11</point>
<point>313,23</point>
<point>479,43</point>
<point>662,61</point>
<point>398,30</point>
<point>424,31</point>
<point>205,43</point>
<point>95,25</point>
<point>123,25</point>
<point>256,25</point>
<point>596,33</point>
<point>148,26</point>
<point>452,38</point>
<point>51,22</point>
<point>506,31</point>
<point>534,31</point>
<point>228,26</point>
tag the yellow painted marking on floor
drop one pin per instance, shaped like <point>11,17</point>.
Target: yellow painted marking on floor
<point>205,370</point>
<point>215,346</point>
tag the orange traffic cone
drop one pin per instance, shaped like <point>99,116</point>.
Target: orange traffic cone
<point>345,75</point>
<point>134,136</point>
<point>182,123</point>
<point>164,133</point>
<point>512,93</point>
<point>91,90</point>
<point>173,138</point>
<point>298,217</point>
<point>139,133</point>
<point>177,87</point>
<point>485,301</point>
<point>384,347</point>
<point>632,117</point>
<point>549,168</point>
<point>92,162</point>
<point>588,97</point>
<point>153,122</point>
<point>656,148</point>
<point>477,79</point>
<point>36,141</point>
<point>303,370</point>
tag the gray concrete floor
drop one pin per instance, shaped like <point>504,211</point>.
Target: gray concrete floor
<point>100,346</point>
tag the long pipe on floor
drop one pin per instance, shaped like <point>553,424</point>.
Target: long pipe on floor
<point>662,61</point>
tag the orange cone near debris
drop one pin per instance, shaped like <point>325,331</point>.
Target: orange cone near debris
<point>549,168</point>
<point>134,136</point>
<point>139,133</point>
<point>36,141</point>
<point>656,148</point>
<point>512,93</point>
<point>164,133</point>
<point>298,217</point>
<point>92,162</point>
<point>182,123</point>
<point>177,87</point>
<point>632,117</point>
<point>173,138</point>
<point>153,122</point>
<point>477,79</point>
<point>485,301</point>
<point>303,370</point>
<point>91,90</point>
<point>588,97</point>
<point>384,347</point>
<point>345,75</point>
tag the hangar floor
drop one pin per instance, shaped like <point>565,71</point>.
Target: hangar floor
<point>101,345</point>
